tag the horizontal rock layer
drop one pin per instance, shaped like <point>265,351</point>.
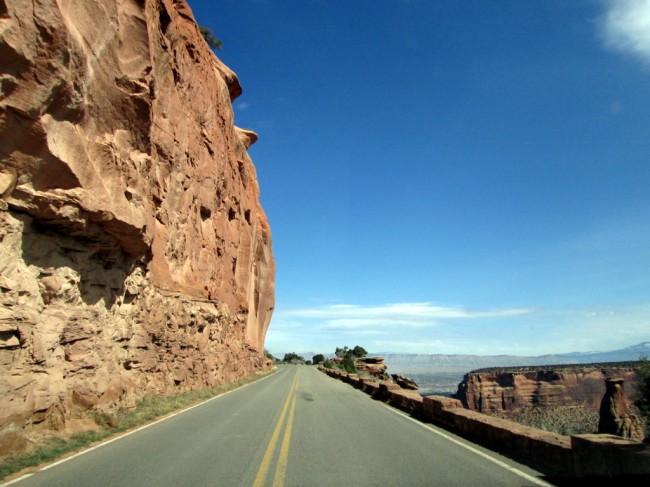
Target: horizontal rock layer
<point>135,257</point>
<point>510,390</point>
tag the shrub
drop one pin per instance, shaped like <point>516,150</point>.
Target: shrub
<point>212,41</point>
<point>293,358</point>
<point>359,351</point>
<point>348,364</point>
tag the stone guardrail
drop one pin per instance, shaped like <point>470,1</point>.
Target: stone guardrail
<point>580,456</point>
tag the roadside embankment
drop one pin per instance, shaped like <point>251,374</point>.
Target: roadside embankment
<point>579,456</point>
<point>150,410</point>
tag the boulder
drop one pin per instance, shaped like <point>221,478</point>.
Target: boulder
<point>405,382</point>
<point>373,366</point>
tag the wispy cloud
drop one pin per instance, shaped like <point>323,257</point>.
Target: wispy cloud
<point>242,105</point>
<point>425,327</point>
<point>429,328</point>
<point>626,27</point>
<point>412,315</point>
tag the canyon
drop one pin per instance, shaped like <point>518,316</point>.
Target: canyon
<point>568,459</point>
<point>510,389</point>
<point>135,257</point>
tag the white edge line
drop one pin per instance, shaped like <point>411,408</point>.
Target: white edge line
<point>23,477</point>
<point>512,469</point>
<point>124,435</point>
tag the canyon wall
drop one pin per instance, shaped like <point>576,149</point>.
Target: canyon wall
<point>135,257</point>
<point>514,388</point>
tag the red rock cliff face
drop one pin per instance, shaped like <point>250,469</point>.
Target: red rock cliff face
<point>566,386</point>
<point>135,257</point>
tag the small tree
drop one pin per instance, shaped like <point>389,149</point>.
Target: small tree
<point>359,352</point>
<point>212,41</point>
<point>292,358</point>
<point>319,358</point>
<point>341,352</point>
<point>349,356</point>
<point>348,364</point>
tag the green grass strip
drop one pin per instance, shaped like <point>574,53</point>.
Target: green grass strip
<point>147,410</point>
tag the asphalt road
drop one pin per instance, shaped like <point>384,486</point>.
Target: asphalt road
<point>297,427</point>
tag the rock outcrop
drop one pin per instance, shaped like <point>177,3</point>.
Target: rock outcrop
<point>135,257</point>
<point>373,366</point>
<point>615,418</point>
<point>514,388</point>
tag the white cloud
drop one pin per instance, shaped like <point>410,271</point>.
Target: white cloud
<point>412,315</point>
<point>342,324</point>
<point>626,27</point>
<point>422,346</point>
<point>242,105</point>
<point>429,328</point>
<point>424,326</point>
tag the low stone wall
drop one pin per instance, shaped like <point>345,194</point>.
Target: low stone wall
<point>584,456</point>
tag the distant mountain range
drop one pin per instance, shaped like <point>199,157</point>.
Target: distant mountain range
<point>406,363</point>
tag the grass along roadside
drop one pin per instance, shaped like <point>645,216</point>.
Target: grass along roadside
<point>146,411</point>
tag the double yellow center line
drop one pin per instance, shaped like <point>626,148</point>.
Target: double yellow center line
<point>281,468</point>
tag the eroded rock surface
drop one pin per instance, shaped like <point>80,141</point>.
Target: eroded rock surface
<point>373,366</point>
<point>135,257</point>
<point>405,382</point>
<point>615,418</point>
<point>513,389</point>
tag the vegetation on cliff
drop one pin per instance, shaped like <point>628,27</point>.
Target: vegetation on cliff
<point>563,420</point>
<point>643,392</point>
<point>345,358</point>
<point>212,41</point>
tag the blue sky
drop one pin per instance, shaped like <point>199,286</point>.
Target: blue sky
<point>449,176</point>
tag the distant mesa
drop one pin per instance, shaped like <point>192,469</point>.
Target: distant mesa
<point>408,363</point>
<point>511,389</point>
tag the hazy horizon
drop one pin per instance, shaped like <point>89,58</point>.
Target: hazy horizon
<point>639,349</point>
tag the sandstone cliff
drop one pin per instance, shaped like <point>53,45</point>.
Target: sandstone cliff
<point>135,257</point>
<point>570,385</point>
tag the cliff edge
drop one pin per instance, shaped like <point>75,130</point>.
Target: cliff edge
<point>135,257</point>
<point>512,388</point>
